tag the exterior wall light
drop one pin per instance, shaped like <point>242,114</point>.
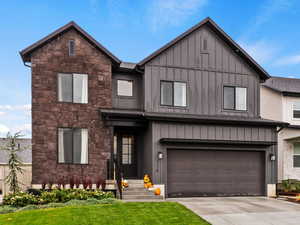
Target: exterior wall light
<point>272,157</point>
<point>160,155</point>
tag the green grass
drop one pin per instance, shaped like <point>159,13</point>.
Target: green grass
<point>131,213</point>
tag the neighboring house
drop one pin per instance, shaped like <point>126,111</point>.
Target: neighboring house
<point>188,115</point>
<point>280,100</point>
<point>24,156</point>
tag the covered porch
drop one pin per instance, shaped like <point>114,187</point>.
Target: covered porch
<point>128,153</point>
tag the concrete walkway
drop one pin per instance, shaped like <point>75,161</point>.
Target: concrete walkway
<point>243,210</point>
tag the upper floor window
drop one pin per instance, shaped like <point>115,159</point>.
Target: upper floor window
<point>173,93</point>
<point>235,98</point>
<point>296,155</point>
<point>73,88</point>
<point>125,88</point>
<point>296,110</point>
<point>73,145</point>
<point>71,47</point>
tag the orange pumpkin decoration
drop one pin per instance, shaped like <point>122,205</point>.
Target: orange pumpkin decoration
<point>148,185</point>
<point>157,191</point>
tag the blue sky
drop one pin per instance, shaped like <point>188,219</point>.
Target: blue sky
<point>131,29</point>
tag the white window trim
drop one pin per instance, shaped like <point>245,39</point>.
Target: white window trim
<point>131,89</point>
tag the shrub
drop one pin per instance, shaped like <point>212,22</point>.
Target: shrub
<point>33,191</point>
<point>20,199</point>
<point>47,197</point>
<point>289,185</point>
<point>54,196</point>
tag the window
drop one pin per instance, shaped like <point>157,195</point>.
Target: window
<point>173,93</point>
<point>296,154</point>
<point>71,46</point>
<point>125,88</point>
<point>73,88</point>
<point>73,145</point>
<point>296,110</point>
<point>127,149</point>
<point>235,98</point>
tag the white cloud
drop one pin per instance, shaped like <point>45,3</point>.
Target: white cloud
<point>172,12</point>
<point>268,10</point>
<point>288,60</point>
<point>262,51</point>
<point>16,107</point>
<point>3,129</point>
<point>24,128</point>
<point>2,113</point>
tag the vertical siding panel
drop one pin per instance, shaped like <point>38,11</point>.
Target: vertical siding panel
<point>219,94</point>
<point>204,92</point>
<point>212,47</point>
<point>219,133</point>
<point>212,93</point>
<point>177,55</point>
<point>163,59</point>
<point>184,52</point>
<point>226,133</point>
<point>172,131</point>
<point>196,131</point>
<point>218,52</point>
<point>248,135</point>
<point>191,50</point>
<point>225,59</point>
<point>154,87</point>
<point>188,131</point>
<point>192,100</point>
<point>203,132</point>
<point>198,88</point>
<point>198,48</point>
<point>147,85</point>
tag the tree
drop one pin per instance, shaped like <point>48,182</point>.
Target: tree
<point>14,162</point>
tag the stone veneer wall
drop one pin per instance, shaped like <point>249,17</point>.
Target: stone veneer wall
<point>48,114</point>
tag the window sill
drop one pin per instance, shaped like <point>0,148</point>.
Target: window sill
<point>234,111</point>
<point>77,103</point>
<point>174,107</point>
<point>78,164</point>
<point>125,97</point>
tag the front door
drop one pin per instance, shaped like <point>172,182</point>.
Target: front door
<point>127,155</point>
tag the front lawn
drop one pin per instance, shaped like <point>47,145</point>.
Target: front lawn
<point>131,213</point>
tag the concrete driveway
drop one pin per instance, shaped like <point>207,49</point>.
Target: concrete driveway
<point>243,210</point>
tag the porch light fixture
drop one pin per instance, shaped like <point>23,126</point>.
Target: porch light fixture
<point>272,157</point>
<point>160,155</point>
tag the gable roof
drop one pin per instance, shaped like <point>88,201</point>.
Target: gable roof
<point>26,53</point>
<point>208,21</point>
<point>284,85</point>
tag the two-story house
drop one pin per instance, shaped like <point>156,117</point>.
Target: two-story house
<point>280,100</point>
<point>188,115</point>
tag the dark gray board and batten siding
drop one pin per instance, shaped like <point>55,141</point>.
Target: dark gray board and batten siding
<point>211,132</point>
<point>128,102</point>
<point>206,72</point>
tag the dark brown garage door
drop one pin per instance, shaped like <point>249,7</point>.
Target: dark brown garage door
<point>215,173</point>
